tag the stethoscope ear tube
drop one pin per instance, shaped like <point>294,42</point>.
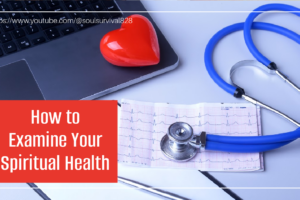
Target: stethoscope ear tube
<point>237,92</point>
<point>252,48</point>
<point>180,144</point>
<point>256,143</point>
<point>248,26</point>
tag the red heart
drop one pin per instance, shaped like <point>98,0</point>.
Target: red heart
<point>135,44</point>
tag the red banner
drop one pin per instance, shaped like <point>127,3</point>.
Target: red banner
<point>58,141</point>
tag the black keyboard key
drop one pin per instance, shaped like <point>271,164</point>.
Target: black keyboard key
<point>52,33</point>
<point>67,31</point>
<point>58,8</point>
<point>5,37</point>
<point>51,30</point>
<point>40,6</point>
<point>61,17</point>
<point>7,27</point>
<point>116,14</point>
<point>32,29</point>
<point>111,6</point>
<point>75,15</point>
<point>70,5</point>
<point>24,43</point>
<point>33,16</point>
<point>51,15</point>
<point>2,16</point>
<point>30,2</point>
<point>85,25</point>
<point>21,24</point>
<point>15,15</point>
<point>47,25</point>
<point>104,15</point>
<point>26,9</point>
<point>16,4</point>
<point>86,9</point>
<point>98,7</point>
<point>4,7</point>
<point>39,40</point>
<point>52,36</point>
<point>18,33</point>
<point>82,3</point>
<point>90,17</point>
<point>53,3</point>
<point>82,26</point>
<point>10,47</point>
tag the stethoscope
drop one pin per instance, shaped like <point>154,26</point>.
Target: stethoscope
<point>181,144</point>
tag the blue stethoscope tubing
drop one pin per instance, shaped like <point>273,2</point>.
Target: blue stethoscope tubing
<point>252,143</point>
<point>249,21</point>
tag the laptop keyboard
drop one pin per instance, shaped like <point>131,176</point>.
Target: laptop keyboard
<point>19,35</point>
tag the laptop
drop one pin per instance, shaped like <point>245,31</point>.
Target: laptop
<point>63,61</point>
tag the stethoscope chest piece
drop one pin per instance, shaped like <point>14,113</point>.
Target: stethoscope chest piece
<point>176,143</point>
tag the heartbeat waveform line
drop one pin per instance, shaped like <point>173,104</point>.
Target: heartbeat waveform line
<point>131,136</point>
<point>184,116</point>
<point>228,133</point>
<point>143,130</point>
<point>200,124</point>
<point>142,126</point>
<point>200,161</point>
<point>129,146</point>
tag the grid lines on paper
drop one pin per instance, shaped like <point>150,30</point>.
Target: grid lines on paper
<point>142,125</point>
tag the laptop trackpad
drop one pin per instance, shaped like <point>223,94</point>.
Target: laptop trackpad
<point>18,83</point>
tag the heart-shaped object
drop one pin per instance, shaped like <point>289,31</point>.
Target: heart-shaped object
<point>135,44</point>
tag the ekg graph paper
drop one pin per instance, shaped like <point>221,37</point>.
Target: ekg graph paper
<point>143,124</point>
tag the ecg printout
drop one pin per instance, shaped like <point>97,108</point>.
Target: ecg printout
<point>143,124</point>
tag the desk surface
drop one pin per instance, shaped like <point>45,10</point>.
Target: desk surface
<point>189,33</point>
